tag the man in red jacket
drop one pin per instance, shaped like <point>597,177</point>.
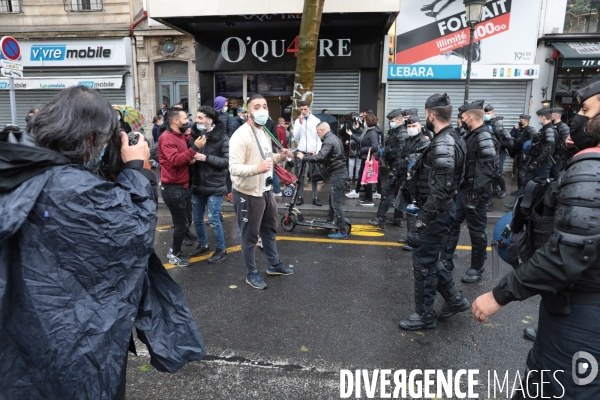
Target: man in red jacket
<point>174,157</point>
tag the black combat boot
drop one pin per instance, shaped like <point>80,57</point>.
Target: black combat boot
<point>454,303</point>
<point>530,333</point>
<point>424,316</point>
<point>478,255</point>
<point>379,221</point>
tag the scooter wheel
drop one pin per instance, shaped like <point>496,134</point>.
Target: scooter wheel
<point>348,227</point>
<point>290,224</point>
<point>288,191</point>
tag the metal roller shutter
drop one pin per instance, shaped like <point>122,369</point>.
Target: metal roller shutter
<point>339,92</point>
<point>28,99</point>
<point>508,97</point>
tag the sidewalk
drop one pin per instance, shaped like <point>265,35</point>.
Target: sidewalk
<point>353,209</point>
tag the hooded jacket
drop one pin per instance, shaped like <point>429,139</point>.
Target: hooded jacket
<point>77,272</point>
<point>366,140</point>
<point>208,177</point>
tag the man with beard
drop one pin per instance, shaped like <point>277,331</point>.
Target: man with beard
<point>474,193</point>
<point>565,271</point>
<point>437,176</point>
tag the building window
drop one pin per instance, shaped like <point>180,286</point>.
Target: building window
<point>10,6</point>
<point>582,16</point>
<point>83,5</point>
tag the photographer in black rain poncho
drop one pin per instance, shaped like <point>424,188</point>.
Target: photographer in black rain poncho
<point>77,265</point>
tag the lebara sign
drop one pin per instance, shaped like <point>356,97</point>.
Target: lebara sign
<point>447,72</point>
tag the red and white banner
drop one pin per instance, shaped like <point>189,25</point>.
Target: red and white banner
<point>436,32</point>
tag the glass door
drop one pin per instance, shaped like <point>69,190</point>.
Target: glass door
<point>182,95</point>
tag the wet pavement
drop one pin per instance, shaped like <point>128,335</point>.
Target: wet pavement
<point>339,310</point>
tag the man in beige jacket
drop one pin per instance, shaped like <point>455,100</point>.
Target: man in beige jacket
<point>251,161</point>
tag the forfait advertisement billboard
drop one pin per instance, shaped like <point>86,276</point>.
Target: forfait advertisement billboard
<point>434,34</point>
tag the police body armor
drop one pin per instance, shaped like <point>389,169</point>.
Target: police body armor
<point>447,152</point>
<point>523,136</point>
<point>543,143</point>
<point>480,145</point>
<point>563,133</point>
<point>502,138</point>
<point>394,145</point>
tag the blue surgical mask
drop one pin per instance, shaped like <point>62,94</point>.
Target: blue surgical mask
<point>201,127</point>
<point>393,125</point>
<point>487,117</point>
<point>119,117</point>
<point>260,117</point>
<point>225,109</point>
<point>93,163</point>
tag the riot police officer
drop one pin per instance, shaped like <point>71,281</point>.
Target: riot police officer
<point>393,147</point>
<point>521,133</point>
<point>565,271</point>
<point>504,142</point>
<point>414,147</point>
<point>436,177</point>
<point>474,193</point>
<point>415,111</point>
<point>561,153</point>
<point>459,126</point>
<point>543,144</point>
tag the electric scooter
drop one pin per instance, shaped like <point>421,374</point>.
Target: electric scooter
<point>294,217</point>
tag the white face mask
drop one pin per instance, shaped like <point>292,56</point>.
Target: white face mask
<point>119,117</point>
<point>412,132</point>
<point>260,117</point>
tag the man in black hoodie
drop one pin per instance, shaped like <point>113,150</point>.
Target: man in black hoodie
<point>208,180</point>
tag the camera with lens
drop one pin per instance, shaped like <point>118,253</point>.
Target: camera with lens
<point>269,181</point>
<point>133,138</point>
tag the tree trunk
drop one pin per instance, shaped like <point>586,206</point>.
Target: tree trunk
<point>304,79</point>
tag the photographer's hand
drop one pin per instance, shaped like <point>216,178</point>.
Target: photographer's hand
<point>138,152</point>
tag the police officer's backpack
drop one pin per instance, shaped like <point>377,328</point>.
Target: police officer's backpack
<point>533,221</point>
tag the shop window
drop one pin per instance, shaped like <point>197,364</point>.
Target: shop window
<point>83,5</point>
<point>10,6</point>
<point>582,16</point>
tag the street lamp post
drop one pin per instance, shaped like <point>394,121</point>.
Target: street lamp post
<point>474,11</point>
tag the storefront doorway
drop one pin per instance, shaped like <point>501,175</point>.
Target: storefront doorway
<point>173,84</point>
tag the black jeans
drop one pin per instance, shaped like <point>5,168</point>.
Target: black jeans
<point>256,215</point>
<point>368,187</point>
<point>336,192</point>
<point>178,200</point>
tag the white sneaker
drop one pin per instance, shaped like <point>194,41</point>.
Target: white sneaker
<point>376,195</point>
<point>277,194</point>
<point>352,194</point>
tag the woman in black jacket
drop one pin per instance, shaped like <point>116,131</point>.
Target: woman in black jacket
<point>367,140</point>
<point>208,180</point>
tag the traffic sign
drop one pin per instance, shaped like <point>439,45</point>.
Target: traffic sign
<point>10,47</point>
<point>11,65</point>
<point>11,73</point>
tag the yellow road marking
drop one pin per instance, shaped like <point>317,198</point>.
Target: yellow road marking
<point>366,230</point>
<point>237,248</point>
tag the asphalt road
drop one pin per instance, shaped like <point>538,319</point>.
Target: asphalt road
<point>340,310</point>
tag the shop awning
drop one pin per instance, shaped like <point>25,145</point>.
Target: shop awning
<point>579,54</point>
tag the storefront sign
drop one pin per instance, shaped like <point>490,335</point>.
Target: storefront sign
<point>96,52</point>
<point>110,82</point>
<point>451,72</point>
<point>439,33</point>
<point>278,51</point>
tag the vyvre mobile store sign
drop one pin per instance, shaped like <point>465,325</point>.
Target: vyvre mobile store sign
<point>438,34</point>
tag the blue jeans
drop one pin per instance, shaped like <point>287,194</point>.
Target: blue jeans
<point>276,183</point>
<point>199,204</point>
